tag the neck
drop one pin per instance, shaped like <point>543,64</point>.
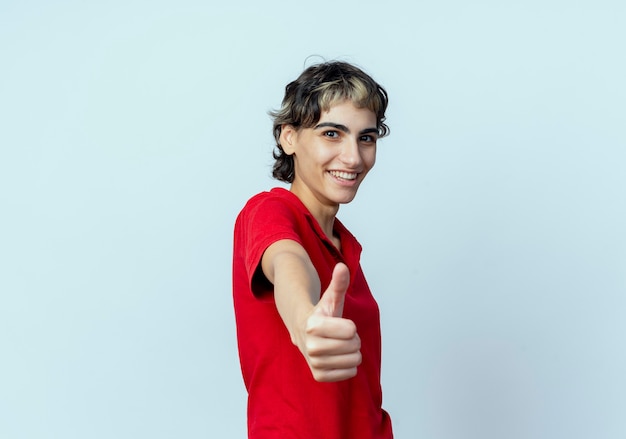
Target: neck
<point>324,214</point>
<point>326,221</point>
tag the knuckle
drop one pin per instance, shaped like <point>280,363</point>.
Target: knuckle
<point>319,376</point>
<point>312,347</point>
<point>315,363</point>
<point>313,324</point>
<point>352,326</point>
<point>359,359</point>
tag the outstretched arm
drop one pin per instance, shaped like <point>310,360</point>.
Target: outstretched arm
<point>329,343</point>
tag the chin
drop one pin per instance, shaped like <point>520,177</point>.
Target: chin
<point>347,199</point>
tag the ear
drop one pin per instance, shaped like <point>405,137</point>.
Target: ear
<point>288,136</point>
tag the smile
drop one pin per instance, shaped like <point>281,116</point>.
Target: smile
<point>344,175</point>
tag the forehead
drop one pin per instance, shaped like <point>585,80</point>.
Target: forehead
<point>347,112</point>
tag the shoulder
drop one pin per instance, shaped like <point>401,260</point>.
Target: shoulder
<point>276,202</point>
<point>266,218</point>
<point>276,209</point>
<point>276,194</point>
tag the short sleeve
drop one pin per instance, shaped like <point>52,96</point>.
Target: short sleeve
<point>262,222</point>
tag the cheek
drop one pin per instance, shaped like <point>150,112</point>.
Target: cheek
<point>369,158</point>
<point>326,155</point>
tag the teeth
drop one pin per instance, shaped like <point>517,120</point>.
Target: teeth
<point>344,175</point>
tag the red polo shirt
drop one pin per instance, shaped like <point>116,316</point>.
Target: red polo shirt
<point>284,401</point>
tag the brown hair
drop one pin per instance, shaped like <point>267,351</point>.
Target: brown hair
<point>317,89</point>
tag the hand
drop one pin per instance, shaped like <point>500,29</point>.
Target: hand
<point>330,343</point>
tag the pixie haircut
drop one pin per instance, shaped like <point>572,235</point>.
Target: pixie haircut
<point>316,90</point>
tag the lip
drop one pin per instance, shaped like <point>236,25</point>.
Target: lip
<point>343,181</point>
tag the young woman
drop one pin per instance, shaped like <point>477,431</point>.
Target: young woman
<point>308,328</point>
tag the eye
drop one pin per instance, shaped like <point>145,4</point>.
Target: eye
<point>368,138</point>
<point>331,134</point>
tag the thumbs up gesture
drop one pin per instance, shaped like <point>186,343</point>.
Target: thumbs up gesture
<point>331,345</point>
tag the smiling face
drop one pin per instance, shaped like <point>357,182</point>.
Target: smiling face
<point>333,157</point>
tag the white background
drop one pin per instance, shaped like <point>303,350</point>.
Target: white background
<point>132,132</point>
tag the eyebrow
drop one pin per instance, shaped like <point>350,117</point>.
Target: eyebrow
<point>344,128</point>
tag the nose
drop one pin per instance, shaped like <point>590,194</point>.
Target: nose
<point>351,154</point>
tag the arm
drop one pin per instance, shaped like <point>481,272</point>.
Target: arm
<point>328,342</point>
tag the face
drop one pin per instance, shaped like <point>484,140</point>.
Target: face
<point>333,157</point>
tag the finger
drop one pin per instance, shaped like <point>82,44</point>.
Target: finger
<point>330,362</point>
<point>330,327</point>
<point>321,347</point>
<point>331,302</point>
<point>333,375</point>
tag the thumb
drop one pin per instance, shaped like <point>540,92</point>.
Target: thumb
<point>331,302</point>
